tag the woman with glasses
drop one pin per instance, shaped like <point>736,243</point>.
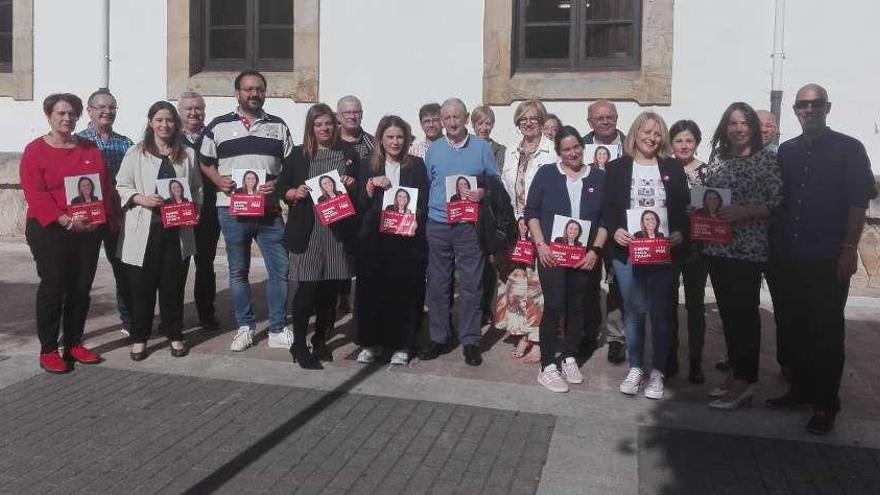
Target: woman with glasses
<point>520,301</point>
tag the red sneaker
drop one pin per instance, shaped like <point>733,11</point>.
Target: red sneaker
<point>53,363</point>
<point>80,354</point>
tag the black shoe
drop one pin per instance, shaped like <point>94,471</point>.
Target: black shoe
<point>616,352</point>
<point>486,318</point>
<point>672,367</point>
<point>211,323</point>
<point>321,351</point>
<point>472,355</point>
<point>305,359</point>
<point>695,374</point>
<point>433,351</point>
<point>787,401</point>
<point>183,351</point>
<point>822,422</point>
<point>138,356</point>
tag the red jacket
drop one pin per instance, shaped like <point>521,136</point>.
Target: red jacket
<point>43,169</point>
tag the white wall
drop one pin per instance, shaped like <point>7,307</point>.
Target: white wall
<point>397,54</point>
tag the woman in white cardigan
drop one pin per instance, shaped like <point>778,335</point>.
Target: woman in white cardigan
<point>157,259</point>
<point>520,303</point>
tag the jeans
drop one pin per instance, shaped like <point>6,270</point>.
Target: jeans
<point>646,288</point>
<point>817,352</point>
<point>737,285</point>
<point>453,246</point>
<point>123,297</point>
<point>66,263</point>
<point>268,232</point>
<point>574,295</point>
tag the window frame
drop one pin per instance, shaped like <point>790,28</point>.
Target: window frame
<point>203,60</point>
<point>8,67</point>
<point>577,60</point>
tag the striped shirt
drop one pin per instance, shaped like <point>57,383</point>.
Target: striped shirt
<point>113,149</point>
<point>229,144</point>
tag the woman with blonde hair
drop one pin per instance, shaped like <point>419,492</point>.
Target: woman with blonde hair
<point>520,301</point>
<point>646,176</point>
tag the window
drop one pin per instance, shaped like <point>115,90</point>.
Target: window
<point>577,34</point>
<point>5,35</point>
<point>234,34</point>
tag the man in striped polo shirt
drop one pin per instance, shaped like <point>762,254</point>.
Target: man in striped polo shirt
<point>249,138</point>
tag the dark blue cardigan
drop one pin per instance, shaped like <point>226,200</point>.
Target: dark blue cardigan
<point>548,196</point>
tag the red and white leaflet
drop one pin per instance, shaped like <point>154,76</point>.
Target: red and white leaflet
<point>523,252</point>
<point>567,256</point>
<point>178,215</point>
<point>93,212</point>
<point>334,210</point>
<point>462,212</point>
<point>392,222</point>
<point>710,229</point>
<point>247,205</point>
<point>650,251</point>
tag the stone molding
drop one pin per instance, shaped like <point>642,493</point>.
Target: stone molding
<point>19,84</point>
<point>301,84</point>
<point>650,85</point>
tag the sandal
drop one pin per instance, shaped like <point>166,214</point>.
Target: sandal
<point>522,347</point>
<point>533,356</point>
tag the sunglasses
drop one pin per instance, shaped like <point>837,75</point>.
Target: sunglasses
<point>816,104</point>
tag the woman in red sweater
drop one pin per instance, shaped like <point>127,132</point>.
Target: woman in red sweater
<point>65,248</point>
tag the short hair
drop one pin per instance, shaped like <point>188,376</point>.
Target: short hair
<point>720,141</point>
<point>553,116</point>
<point>629,144</point>
<point>99,92</point>
<point>348,99</point>
<point>429,109</point>
<point>249,72</point>
<point>600,103</point>
<point>564,132</point>
<point>527,105</point>
<point>481,113</point>
<point>454,101</point>
<point>686,125</point>
<point>69,98</point>
<point>189,95</point>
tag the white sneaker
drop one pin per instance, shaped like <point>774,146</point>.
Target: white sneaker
<point>630,385</point>
<point>400,358</point>
<point>243,339</point>
<point>552,379</point>
<point>368,354</point>
<point>654,388</point>
<point>571,372</point>
<point>282,339</point>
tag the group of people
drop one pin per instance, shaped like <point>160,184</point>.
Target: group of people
<point>796,216</point>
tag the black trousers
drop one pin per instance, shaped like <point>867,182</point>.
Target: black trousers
<point>573,294</point>
<point>390,293</point>
<point>123,296</point>
<point>164,271</point>
<point>66,264</point>
<point>783,335</point>
<point>694,272</point>
<point>737,285</point>
<point>817,329</point>
<point>207,234</point>
<point>314,298</point>
<point>490,289</point>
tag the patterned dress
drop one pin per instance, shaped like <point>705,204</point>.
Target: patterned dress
<point>325,257</point>
<point>520,303</point>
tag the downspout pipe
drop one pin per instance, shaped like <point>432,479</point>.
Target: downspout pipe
<point>778,58</point>
<point>105,44</point>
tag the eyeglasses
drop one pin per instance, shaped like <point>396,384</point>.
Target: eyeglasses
<point>816,104</point>
<point>355,113</point>
<point>604,119</point>
<point>529,120</point>
<point>105,108</point>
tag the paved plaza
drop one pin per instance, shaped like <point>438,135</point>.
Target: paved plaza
<point>253,422</point>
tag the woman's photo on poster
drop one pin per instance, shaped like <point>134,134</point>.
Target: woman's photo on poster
<point>83,189</point>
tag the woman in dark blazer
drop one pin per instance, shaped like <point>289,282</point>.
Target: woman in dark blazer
<point>322,255</point>
<point>569,292</point>
<point>645,168</point>
<point>390,268</point>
